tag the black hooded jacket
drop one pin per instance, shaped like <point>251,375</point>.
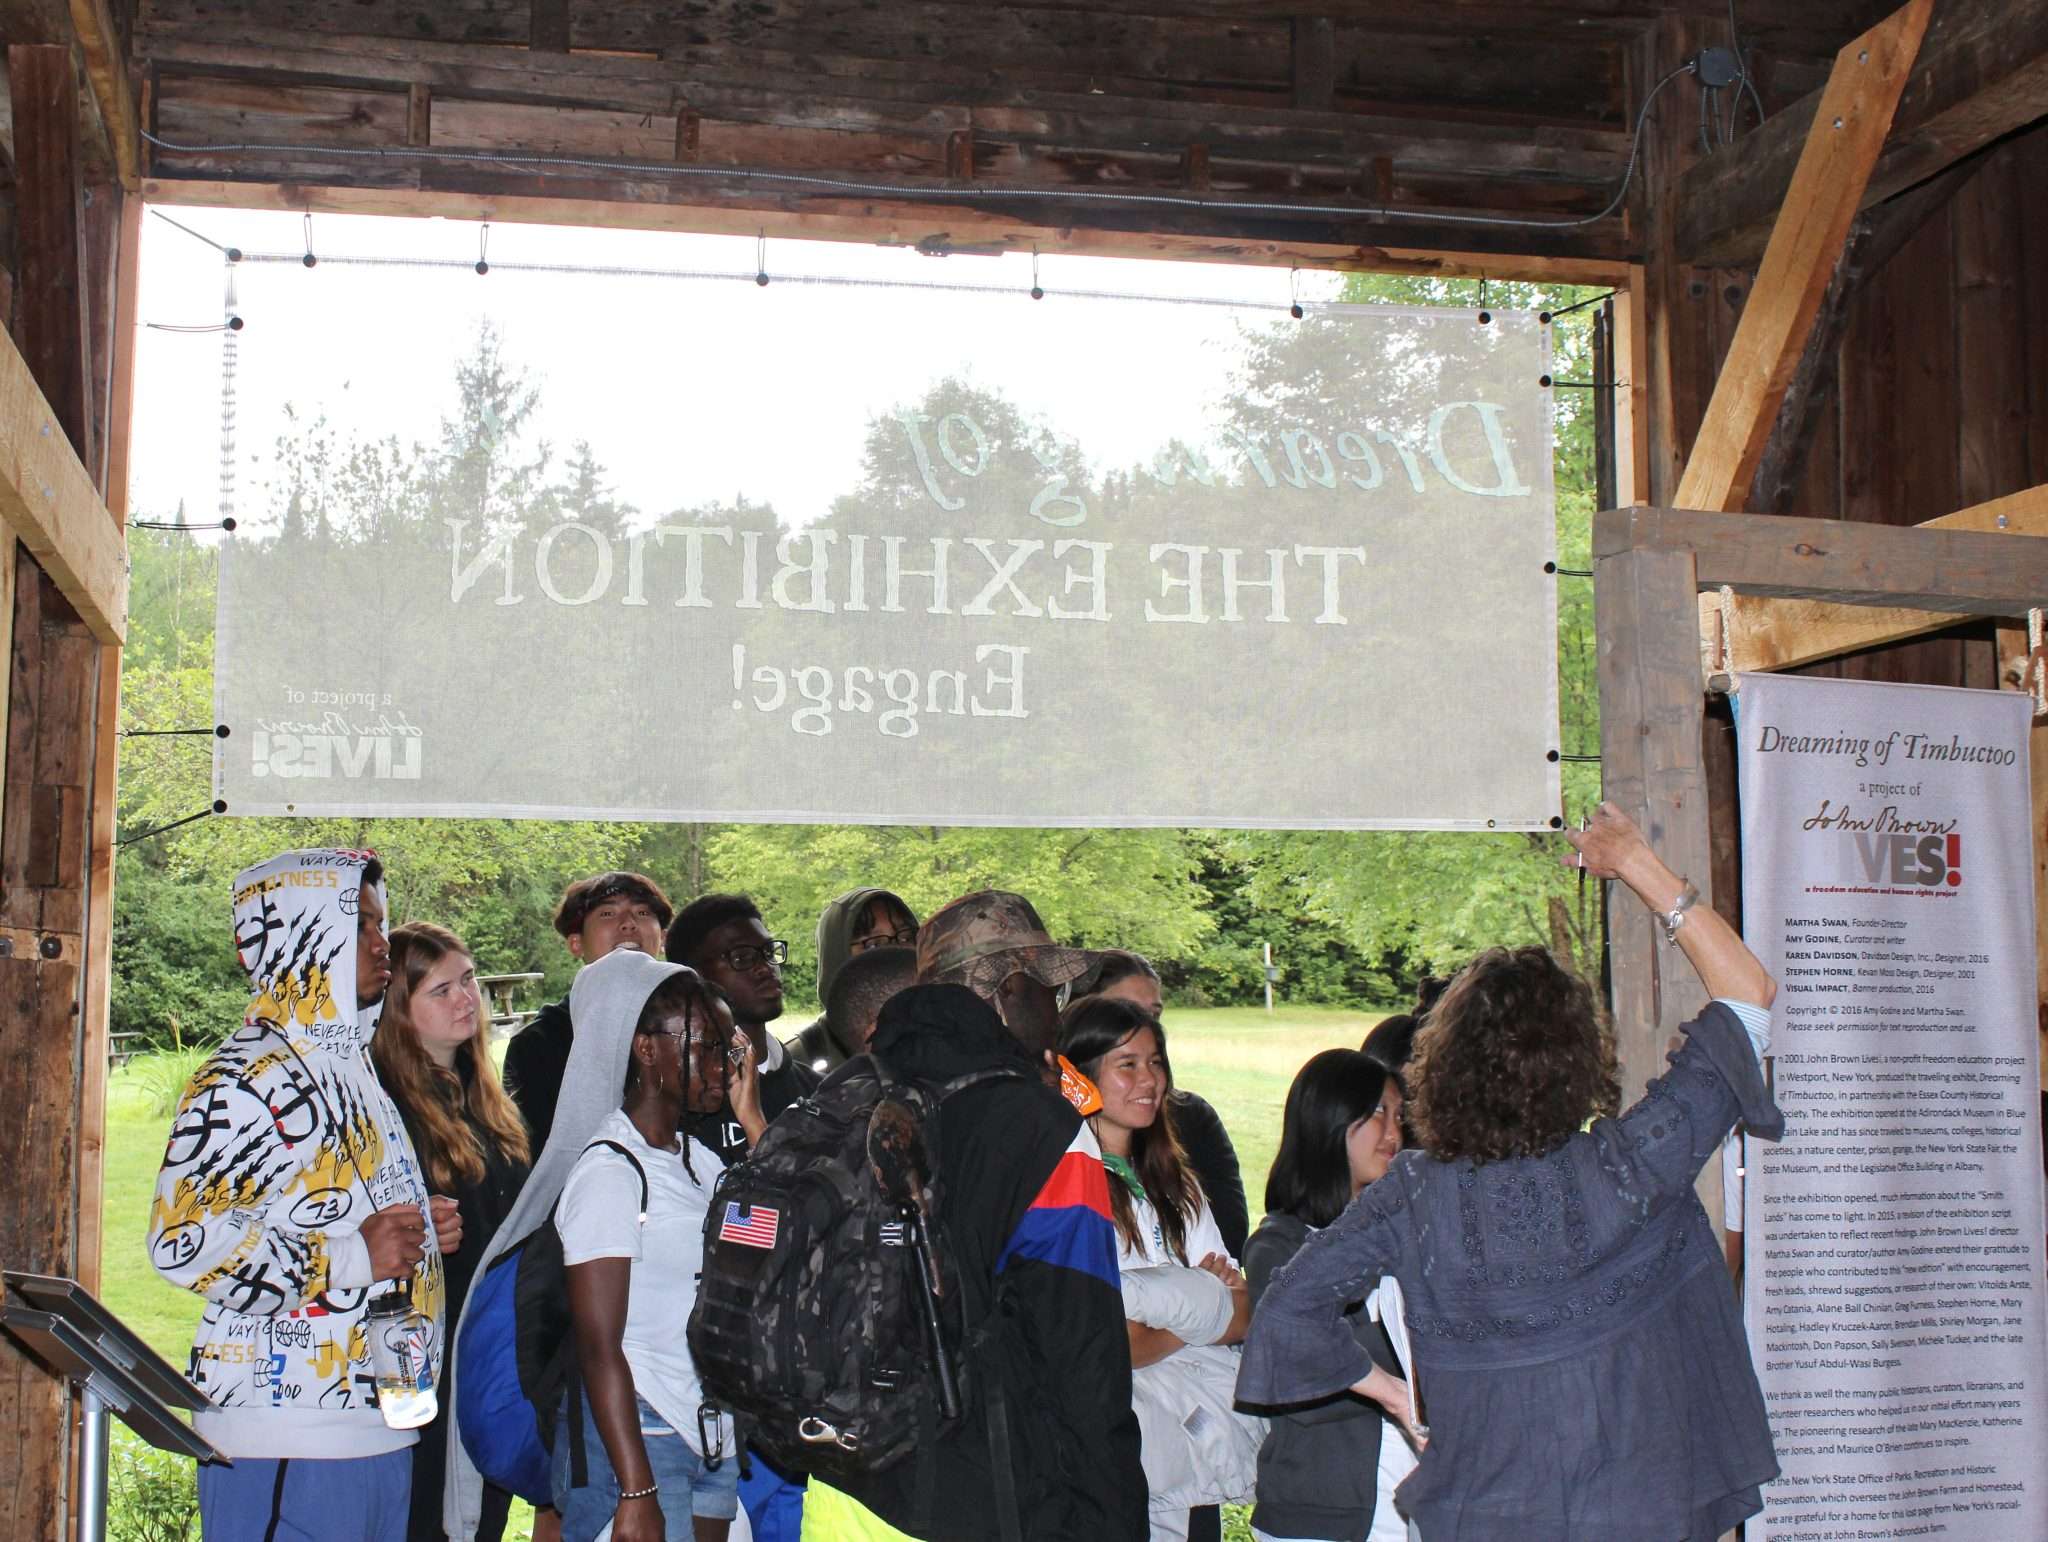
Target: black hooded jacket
<point>1019,1187</point>
<point>819,1045</point>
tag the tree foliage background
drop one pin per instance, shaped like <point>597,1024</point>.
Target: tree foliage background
<point>1352,917</point>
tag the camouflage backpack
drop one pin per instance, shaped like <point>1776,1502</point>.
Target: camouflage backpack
<point>822,1316</point>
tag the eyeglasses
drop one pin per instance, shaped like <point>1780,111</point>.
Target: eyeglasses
<point>902,939</point>
<point>752,956</point>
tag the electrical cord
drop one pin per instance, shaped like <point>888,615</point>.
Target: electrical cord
<point>967,194</point>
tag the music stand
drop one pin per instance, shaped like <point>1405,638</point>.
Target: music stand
<point>60,1323</point>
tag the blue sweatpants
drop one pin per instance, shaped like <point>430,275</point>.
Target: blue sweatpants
<point>775,1504</point>
<point>304,1499</point>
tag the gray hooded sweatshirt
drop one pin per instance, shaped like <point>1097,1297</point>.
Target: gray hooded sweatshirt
<point>605,1002</point>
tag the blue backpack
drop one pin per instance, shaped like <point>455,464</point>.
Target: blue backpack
<point>517,1350</point>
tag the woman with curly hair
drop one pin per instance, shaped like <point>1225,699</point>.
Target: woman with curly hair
<point>432,1051</point>
<point>1576,1345</point>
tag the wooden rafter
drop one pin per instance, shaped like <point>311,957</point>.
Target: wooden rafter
<point>1849,130</point>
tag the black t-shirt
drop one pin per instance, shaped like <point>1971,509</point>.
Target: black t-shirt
<point>780,1087</point>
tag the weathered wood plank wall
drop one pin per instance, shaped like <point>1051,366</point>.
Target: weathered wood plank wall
<point>1943,395</point>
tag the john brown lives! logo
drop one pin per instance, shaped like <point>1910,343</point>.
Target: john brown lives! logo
<point>1883,848</point>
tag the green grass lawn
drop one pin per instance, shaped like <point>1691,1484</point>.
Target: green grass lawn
<point>1240,1059</point>
<point>1243,1061</point>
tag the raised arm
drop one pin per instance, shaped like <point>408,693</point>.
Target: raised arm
<point>1612,847</point>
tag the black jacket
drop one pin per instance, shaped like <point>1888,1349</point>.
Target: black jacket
<point>1027,1220</point>
<point>534,1063</point>
<point>1319,1467</point>
<point>484,1205</point>
<point>1202,1136</point>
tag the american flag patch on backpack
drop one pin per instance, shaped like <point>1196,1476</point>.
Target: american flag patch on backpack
<point>753,1228</point>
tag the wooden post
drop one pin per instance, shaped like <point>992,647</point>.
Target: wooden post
<point>51,715</point>
<point>1651,766</point>
<point>51,314</point>
<point>99,923</point>
<point>62,685</point>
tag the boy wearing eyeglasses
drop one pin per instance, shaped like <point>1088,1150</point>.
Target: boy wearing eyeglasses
<point>858,921</point>
<point>723,938</point>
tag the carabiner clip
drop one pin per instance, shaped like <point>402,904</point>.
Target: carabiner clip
<point>711,1435</point>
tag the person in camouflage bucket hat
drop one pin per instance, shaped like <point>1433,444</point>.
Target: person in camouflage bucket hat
<point>993,943</point>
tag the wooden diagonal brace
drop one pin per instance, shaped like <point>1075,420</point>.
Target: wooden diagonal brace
<point>1855,115</point>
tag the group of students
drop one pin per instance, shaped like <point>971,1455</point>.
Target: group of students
<point>1519,1329</point>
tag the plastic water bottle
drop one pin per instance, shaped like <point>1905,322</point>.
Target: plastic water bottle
<point>401,1358</point>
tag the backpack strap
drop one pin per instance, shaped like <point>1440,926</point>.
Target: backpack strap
<point>994,1073</point>
<point>638,1171</point>
<point>579,1460</point>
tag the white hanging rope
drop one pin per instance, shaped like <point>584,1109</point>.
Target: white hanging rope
<point>2037,662</point>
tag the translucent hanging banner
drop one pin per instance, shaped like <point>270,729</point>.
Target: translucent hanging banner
<point>564,544</point>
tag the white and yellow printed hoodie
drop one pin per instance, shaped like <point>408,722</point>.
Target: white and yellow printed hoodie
<point>283,1144</point>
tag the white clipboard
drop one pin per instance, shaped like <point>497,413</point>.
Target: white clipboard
<point>1387,1307</point>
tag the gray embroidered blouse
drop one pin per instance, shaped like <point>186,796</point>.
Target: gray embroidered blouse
<point>1578,1350</point>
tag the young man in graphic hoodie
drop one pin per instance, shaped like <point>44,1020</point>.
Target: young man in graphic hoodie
<point>288,1196</point>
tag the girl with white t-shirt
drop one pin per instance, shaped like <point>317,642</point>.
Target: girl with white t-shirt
<point>661,1460</point>
<point>1185,1303</point>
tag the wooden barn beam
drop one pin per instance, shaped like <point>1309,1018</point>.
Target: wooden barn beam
<point>1652,767</point>
<point>1743,633</point>
<point>52,709</point>
<point>48,501</point>
<point>547,28</point>
<point>106,72</point>
<point>53,331</point>
<point>70,566</point>
<point>1982,73</point>
<point>99,921</point>
<point>1956,571</point>
<point>883,223</point>
<point>1854,116</point>
<point>1526,71</point>
<point>307,89</point>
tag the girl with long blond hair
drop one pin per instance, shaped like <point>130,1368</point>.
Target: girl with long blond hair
<point>432,1053</point>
